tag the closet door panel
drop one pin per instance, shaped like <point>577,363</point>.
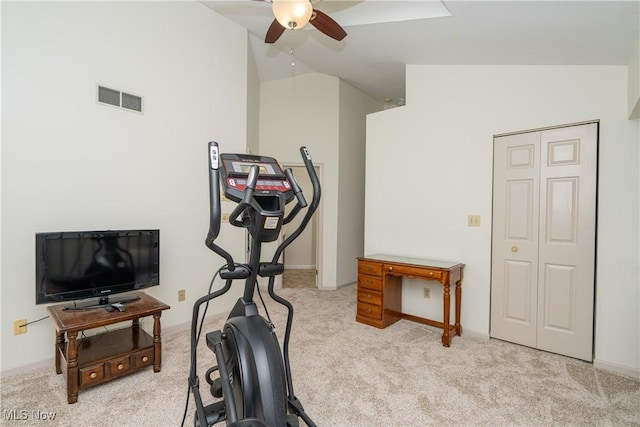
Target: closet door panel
<point>567,240</point>
<point>515,240</point>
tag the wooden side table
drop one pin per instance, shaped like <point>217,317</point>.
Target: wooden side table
<point>94,360</point>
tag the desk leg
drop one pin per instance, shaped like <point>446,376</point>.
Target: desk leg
<point>446,337</point>
<point>59,348</point>
<point>72,368</point>
<point>157,344</point>
<point>458,306</point>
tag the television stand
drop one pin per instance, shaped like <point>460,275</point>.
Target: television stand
<point>97,359</point>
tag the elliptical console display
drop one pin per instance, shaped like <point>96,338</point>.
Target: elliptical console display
<point>271,192</point>
<point>254,375</point>
<point>235,172</point>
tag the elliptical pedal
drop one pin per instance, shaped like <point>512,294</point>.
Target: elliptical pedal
<point>215,385</point>
<point>216,388</point>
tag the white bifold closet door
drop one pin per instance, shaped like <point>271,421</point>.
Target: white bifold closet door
<point>543,247</point>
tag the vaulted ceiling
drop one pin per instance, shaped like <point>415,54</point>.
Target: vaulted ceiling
<point>384,36</point>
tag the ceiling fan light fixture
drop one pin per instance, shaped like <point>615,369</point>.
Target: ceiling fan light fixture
<point>292,14</point>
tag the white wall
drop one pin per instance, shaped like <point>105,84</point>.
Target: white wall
<point>70,164</point>
<point>634,84</point>
<point>440,144</point>
<point>354,106</point>
<point>327,116</point>
<point>253,102</point>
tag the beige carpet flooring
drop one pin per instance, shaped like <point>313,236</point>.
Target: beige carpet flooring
<point>299,278</point>
<point>353,375</point>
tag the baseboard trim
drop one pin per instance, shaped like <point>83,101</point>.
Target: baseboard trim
<point>343,285</point>
<point>299,267</point>
<point>183,326</point>
<point>476,334</point>
<point>618,369</point>
<point>7,373</point>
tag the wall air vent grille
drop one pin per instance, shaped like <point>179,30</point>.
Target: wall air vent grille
<point>132,102</point>
<point>108,96</point>
<point>116,98</point>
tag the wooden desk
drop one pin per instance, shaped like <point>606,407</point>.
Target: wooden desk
<point>100,358</point>
<point>380,290</point>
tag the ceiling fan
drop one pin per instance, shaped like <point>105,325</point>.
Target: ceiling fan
<point>347,12</point>
<point>295,14</point>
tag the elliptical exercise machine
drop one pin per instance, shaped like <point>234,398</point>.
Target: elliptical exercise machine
<point>254,375</point>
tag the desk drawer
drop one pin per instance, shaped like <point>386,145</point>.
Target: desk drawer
<point>370,282</point>
<point>144,358</point>
<point>369,297</point>
<point>119,366</point>
<point>404,270</point>
<point>370,267</point>
<point>369,310</point>
<point>91,375</point>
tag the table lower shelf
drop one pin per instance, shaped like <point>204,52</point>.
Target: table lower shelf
<point>106,356</point>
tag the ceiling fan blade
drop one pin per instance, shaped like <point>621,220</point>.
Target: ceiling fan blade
<point>274,32</point>
<point>325,24</point>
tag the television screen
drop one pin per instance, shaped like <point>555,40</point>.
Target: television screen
<point>75,265</point>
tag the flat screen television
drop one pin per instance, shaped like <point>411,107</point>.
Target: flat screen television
<point>80,265</point>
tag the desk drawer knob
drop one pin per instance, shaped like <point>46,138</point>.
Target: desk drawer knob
<point>369,268</point>
<point>145,359</point>
<point>368,295</point>
<point>93,375</point>
<point>120,366</point>
<point>369,282</point>
<point>390,268</point>
<point>431,273</point>
<point>369,310</point>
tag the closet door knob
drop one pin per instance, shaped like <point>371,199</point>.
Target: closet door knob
<point>514,249</point>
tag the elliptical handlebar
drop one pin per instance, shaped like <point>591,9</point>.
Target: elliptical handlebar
<point>302,202</point>
<point>315,181</point>
<point>214,203</point>
<point>315,201</point>
<point>247,199</point>
<point>214,193</point>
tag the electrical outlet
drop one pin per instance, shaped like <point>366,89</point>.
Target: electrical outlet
<point>474,221</point>
<point>427,293</point>
<point>19,326</point>
<point>182,294</point>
